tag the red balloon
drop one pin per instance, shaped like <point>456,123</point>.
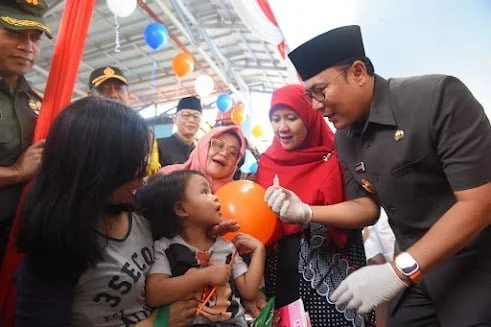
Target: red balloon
<point>244,201</point>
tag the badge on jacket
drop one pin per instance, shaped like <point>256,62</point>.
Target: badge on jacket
<point>35,106</point>
<point>360,167</point>
<point>398,135</point>
<point>368,186</point>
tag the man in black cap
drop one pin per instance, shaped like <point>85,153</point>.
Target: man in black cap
<point>109,82</point>
<point>175,149</point>
<point>21,30</point>
<point>421,148</point>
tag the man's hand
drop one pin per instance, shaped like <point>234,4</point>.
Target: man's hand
<point>225,226</point>
<point>288,205</point>
<point>368,287</point>
<point>254,307</point>
<point>29,162</point>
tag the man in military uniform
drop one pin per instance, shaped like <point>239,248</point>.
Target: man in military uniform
<point>21,31</point>
<point>109,82</point>
<point>420,147</point>
<point>175,149</point>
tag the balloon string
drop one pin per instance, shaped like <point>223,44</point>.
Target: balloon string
<point>178,87</point>
<point>117,47</point>
<point>154,75</point>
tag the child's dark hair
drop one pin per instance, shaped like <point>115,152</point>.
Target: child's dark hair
<point>156,199</point>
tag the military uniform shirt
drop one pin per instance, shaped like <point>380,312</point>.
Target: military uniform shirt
<point>18,113</point>
<point>424,139</point>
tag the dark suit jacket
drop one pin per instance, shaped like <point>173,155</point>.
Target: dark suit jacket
<point>425,138</point>
<point>172,150</point>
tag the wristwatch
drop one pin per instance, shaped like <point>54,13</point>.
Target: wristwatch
<point>406,264</point>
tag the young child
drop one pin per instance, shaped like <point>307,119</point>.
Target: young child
<point>181,209</point>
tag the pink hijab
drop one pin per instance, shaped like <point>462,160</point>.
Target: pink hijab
<point>197,158</point>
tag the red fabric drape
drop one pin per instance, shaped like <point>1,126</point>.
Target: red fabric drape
<point>59,90</point>
<point>264,5</point>
<point>282,49</point>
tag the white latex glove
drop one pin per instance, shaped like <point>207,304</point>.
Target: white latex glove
<point>288,205</point>
<point>368,287</point>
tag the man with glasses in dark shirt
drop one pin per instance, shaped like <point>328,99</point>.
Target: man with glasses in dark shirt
<point>420,148</point>
<point>176,148</point>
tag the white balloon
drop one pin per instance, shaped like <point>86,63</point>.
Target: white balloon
<point>122,8</point>
<point>204,85</point>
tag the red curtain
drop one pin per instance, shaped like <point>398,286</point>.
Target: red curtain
<point>264,5</point>
<point>59,90</point>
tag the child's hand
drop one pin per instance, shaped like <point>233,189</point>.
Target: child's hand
<point>218,274</point>
<point>245,243</point>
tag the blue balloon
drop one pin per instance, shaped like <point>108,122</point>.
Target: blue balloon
<point>253,168</point>
<point>224,102</point>
<point>249,160</point>
<point>156,35</point>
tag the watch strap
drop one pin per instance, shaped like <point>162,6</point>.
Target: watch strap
<point>416,276</point>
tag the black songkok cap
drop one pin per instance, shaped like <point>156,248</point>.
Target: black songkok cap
<point>327,50</point>
<point>192,103</point>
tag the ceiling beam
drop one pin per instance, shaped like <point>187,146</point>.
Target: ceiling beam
<point>45,73</point>
<point>55,8</point>
<point>204,55</point>
<point>260,68</point>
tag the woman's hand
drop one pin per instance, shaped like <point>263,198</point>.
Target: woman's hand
<point>182,313</point>
<point>148,322</point>
<point>225,226</point>
<point>254,307</point>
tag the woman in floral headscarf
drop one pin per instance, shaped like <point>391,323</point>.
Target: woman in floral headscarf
<point>216,155</point>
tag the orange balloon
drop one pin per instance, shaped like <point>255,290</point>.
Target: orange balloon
<point>238,115</point>
<point>243,201</point>
<point>182,64</point>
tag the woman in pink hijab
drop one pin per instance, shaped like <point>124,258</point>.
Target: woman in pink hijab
<point>216,155</point>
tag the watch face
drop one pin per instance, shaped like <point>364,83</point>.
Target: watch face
<point>406,263</point>
<point>410,269</point>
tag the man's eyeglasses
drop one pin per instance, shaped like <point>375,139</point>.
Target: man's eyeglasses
<point>219,145</point>
<point>317,93</point>
<point>190,115</point>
